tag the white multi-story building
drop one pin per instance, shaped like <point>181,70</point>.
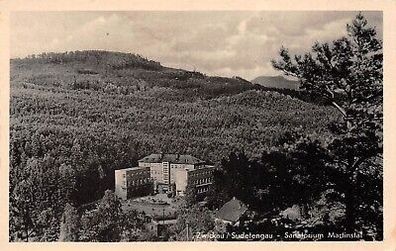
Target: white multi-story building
<point>175,170</point>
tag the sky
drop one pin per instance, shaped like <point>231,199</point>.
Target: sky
<point>232,43</point>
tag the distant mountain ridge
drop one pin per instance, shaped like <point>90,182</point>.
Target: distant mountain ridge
<point>276,82</point>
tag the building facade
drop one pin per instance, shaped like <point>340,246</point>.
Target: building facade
<point>133,182</point>
<point>202,179</point>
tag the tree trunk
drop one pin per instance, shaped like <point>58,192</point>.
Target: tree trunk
<point>350,206</point>
<point>339,108</point>
<point>26,222</point>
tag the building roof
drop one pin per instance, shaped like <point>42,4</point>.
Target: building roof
<point>131,168</point>
<point>171,158</point>
<point>232,210</point>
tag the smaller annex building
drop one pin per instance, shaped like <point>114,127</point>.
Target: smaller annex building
<point>133,182</point>
<point>231,212</point>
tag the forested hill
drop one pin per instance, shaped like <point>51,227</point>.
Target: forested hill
<point>119,73</point>
<point>78,116</point>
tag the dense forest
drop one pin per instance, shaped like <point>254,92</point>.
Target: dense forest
<point>77,116</point>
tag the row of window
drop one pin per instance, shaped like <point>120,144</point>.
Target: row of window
<point>203,189</point>
<point>202,181</point>
<point>177,166</point>
<point>138,182</point>
<point>206,173</point>
<point>155,172</point>
<point>134,174</point>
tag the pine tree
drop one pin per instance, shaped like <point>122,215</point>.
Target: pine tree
<point>348,73</point>
<point>67,182</point>
<point>22,211</point>
<point>51,230</point>
<point>104,222</point>
<point>69,224</point>
<point>191,194</point>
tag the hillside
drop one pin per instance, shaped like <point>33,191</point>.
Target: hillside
<point>118,73</point>
<point>76,117</point>
<point>276,82</point>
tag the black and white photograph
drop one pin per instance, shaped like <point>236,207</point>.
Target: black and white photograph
<point>189,126</point>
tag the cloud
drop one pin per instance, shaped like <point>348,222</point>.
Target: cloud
<point>217,43</point>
